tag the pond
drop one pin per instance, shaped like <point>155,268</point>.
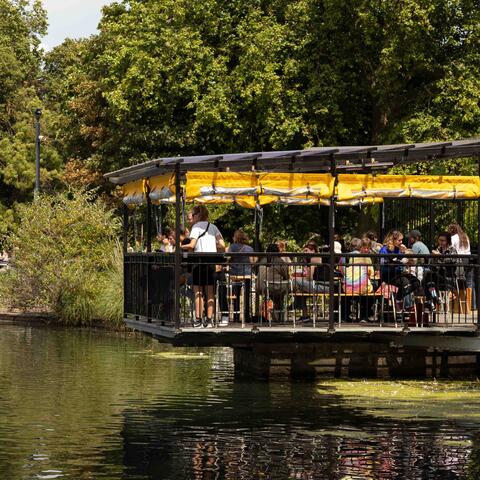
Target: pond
<point>86,404</point>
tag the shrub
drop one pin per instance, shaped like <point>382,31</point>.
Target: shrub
<point>65,259</point>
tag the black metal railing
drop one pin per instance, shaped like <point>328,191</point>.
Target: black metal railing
<point>235,290</point>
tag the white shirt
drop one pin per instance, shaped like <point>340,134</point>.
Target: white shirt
<point>205,243</point>
<point>456,244</point>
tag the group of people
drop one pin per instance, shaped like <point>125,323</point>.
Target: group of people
<point>399,265</point>
<point>413,267</point>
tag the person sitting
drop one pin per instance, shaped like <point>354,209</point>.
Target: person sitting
<point>375,246</point>
<point>273,277</point>
<point>391,267</point>
<point>165,241</point>
<point>409,281</point>
<point>282,247</point>
<point>417,246</point>
<point>241,272</point>
<point>412,265</point>
<point>357,275</point>
<point>311,279</point>
<point>440,275</point>
<point>358,271</point>
<point>338,243</point>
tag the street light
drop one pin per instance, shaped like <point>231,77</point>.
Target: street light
<point>37,113</point>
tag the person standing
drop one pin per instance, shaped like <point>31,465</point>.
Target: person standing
<point>461,243</point>
<point>205,237</point>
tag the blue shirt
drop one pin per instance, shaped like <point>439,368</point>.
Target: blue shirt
<point>240,264</point>
<point>389,268</point>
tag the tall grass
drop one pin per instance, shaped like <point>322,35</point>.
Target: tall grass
<point>67,260</point>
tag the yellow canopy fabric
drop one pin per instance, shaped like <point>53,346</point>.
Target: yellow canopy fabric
<point>249,188</point>
<point>220,183</point>
<point>162,188</point>
<point>439,187</point>
<point>134,193</point>
<point>318,185</point>
<point>253,188</point>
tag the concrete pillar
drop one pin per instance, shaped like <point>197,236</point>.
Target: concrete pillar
<point>350,360</point>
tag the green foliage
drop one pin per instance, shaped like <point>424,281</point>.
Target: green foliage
<point>108,304</point>
<point>64,258</point>
<point>178,77</point>
<point>188,77</point>
<point>22,22</point>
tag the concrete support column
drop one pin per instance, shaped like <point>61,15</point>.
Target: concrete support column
<point>352,360</point>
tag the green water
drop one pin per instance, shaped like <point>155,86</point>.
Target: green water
<point>97,405</point>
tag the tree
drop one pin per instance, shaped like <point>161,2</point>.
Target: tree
<point>21,25</point>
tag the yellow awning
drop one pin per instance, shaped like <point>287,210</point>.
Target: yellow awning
<point>134,193</point>
<point>264,187</point>
<point>253,188</point>
<point>307,185</point>
<point>162,188</point>
<point>441,187</point>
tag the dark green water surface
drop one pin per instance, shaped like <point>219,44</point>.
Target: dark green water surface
<point>80,404</point>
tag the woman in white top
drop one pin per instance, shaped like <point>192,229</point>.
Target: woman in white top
<point>459,239</point>
<point>205,237</point>
<point>461,243</point>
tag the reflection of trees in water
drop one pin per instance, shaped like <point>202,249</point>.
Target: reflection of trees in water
<point>286,431</point>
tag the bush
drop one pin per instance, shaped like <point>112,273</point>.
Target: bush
<point>66,259</point>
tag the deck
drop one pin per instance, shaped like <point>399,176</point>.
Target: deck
<point>458,337</point>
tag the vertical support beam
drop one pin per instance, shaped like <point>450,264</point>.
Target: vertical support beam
<point>381,220</point>
<point>476,267</point>
<point>178,258</point>
<point>126,271</point>
<point>148,224</point>
<point>431,229</point>
<point>331,237</point>
<point>148,228</point>
<point>125,229</point>
<point>257,231</point>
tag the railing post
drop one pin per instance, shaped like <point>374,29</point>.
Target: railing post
<point>148,225</point>
<point>125,230</point>
<point>256,244</point>
<point>178,258</point>
<point>476,267</point>
<point>331,235</point>
<point>126,271</point>
<point>148,228</point>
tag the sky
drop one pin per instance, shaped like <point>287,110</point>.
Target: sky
<point>71,18</point>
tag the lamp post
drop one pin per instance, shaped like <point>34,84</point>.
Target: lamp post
<point>37,113</point>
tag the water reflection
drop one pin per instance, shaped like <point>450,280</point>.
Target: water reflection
<point>88,405</point>
<point>288,431</point>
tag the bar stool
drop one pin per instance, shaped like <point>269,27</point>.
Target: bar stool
<point>286,296</point>
<point>231,297</point>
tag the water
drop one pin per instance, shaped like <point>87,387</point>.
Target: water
<point>97,405</point>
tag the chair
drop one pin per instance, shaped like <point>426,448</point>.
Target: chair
<point>269,289</point>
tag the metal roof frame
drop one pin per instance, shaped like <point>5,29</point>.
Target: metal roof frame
<point>362,159</point>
